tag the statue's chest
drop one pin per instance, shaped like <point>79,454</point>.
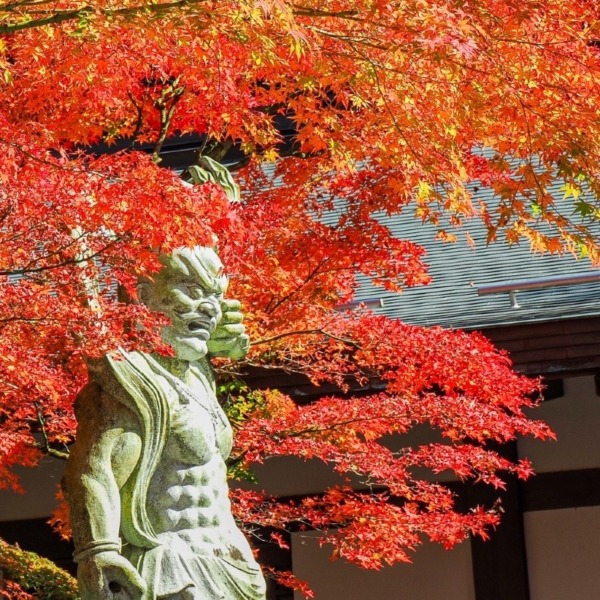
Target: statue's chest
<point>198,428</point>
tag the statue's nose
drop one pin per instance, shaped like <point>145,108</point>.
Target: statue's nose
<point>209,307</point>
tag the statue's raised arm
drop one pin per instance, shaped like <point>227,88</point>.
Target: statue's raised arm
<point>146,479</point>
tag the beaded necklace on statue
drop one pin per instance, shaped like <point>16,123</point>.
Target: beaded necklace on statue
<point>187,395</point>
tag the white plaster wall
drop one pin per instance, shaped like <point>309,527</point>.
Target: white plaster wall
<point>563,549</point>
<point>435,574</point>
<point>575,418</point>
<point>41,485</point>
<point>291,476</point>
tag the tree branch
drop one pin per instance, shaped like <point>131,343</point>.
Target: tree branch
<point>64,263</point>
<point>46,445</point>
<point>62,16</point>
<point>306,332</point>
<point>55,164</point>
<point>166,104</point>
<point>341,424</point>
<point>307,11</point>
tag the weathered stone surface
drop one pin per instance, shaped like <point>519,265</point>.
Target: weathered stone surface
<point>146,479</point>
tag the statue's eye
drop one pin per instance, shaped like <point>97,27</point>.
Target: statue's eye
<point>195,291</point>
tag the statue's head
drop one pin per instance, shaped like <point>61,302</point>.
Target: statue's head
<point>188,289</point>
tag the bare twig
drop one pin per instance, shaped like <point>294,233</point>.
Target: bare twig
<point>46,445</point>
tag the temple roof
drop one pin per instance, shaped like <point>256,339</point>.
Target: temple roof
<point>459,270</point>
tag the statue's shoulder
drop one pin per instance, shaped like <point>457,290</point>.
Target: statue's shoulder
<point>88,398</point>
<point>97,411</point>
<point>114,371</point>
<point>114,378</point>
<point>129,379</point>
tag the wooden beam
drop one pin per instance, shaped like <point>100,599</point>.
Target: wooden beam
<point>563,489</point>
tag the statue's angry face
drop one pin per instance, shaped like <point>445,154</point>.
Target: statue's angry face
<point>194,312</point>
<point>189,290</point>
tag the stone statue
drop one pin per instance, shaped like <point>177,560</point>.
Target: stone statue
<point>146,478</point>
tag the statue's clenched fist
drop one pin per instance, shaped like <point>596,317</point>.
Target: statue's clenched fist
<point>229,338</point>
<point>109,576</point>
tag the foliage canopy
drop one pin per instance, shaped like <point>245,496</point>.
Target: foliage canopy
<point>394,106</point>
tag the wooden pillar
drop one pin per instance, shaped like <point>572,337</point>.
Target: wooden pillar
<point>500,563</point>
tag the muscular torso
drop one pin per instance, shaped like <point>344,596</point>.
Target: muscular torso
<point>188,493</point>
<point>189,488</point>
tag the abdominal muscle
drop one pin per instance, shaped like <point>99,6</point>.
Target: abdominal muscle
<point>188,494</point>
<point>183,504</point>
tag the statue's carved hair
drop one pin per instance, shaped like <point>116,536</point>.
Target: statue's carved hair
<point>199,264</point>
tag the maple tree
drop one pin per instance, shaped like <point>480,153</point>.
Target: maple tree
<point>394,106</point>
